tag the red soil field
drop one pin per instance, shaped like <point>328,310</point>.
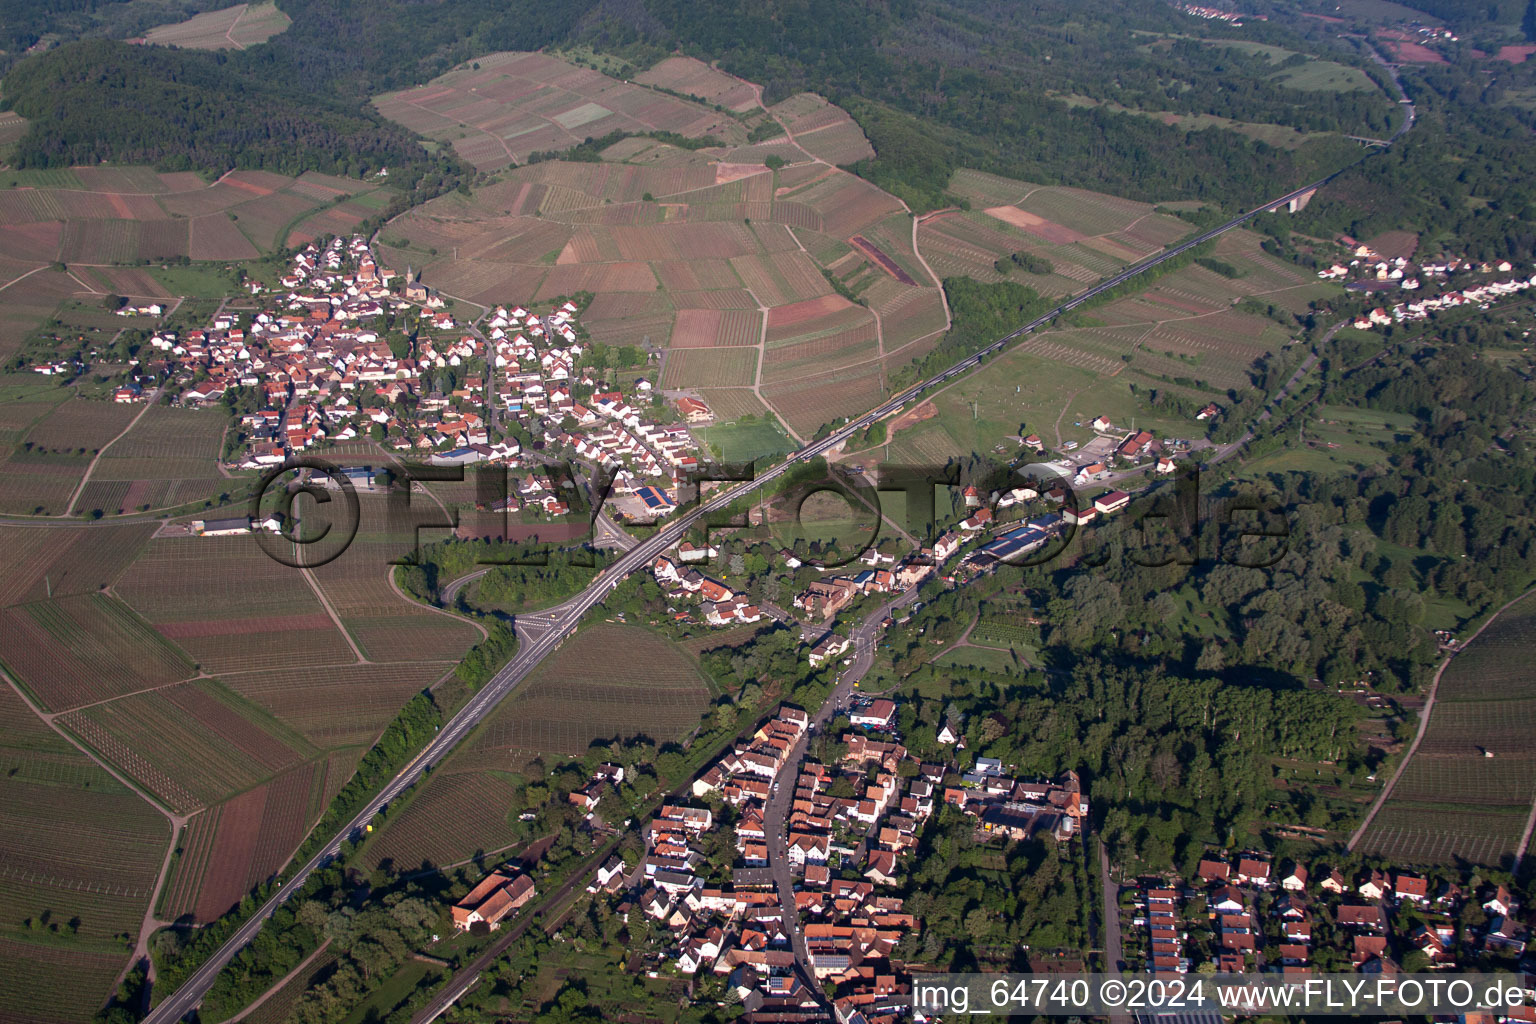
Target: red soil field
<point>1035,224</point>
<point>138,494</point>
<point>887,264</point>
<point>229,860</point>
<point>925,411</point>
<point>237,627</point>
<point>733,172</point>
<point>696,328</point>
<point>230,725</point>
<point>1515,54</point>
<point>1404,48</point>
<point>246,186</point>
<point>810,309</point>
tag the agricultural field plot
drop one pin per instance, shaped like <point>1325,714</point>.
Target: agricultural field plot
<point>12,127</point>
<point>729,404</point>
<point>1025,388</point>
<point>716,367</point>
<point>229,849</point>
<point>1475,752</point>
<point>823,130</point>
<point>813,318</point>
<point>26,304</point>
<point>1083,213</point>
<point>77,650</point>
<point>961,245</point>
<point>337,705</point>
<point>816,354</point>
<point>1494,667</point>
<point>80,426</point>
<point>842,205</point>
<point>169,457</point>
<point>907,315</point>
<point>509,105</point>
<point>126,214</point>
<point>1394,244</point>
<point>46,983</point>
<point>1219,349</point>
<point>387,626</point>
<point>574,696</point>
<point>695,78</point>
<point>192,744</point>
<point>781,279</point>
<point>339,219</point>
<point>134,282</point>
<point>59,563</point>
<point>229,606</point>
<point>805,404</point>
<point>38,484</point>
<point>233,28</point>
<point>1432,834</point>
<point>1449,775</point>
<point>1502,728</point>
<point>706,328</point>
<point>455,816</point>
<point>76,844</point>
<point>985,659</point>
<point>23,403</point>
<point>619,318</point>
<point>1113,397</point>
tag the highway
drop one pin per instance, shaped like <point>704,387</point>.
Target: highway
<point>535,644</point>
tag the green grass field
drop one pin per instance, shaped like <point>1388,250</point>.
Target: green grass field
<point>204,281</point>
<point>745,441</point>
<point>1017,388</point>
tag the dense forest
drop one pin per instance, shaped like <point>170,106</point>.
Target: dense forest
<point>1481,201</point>
<point>935,85</point>
<point>98,100</point>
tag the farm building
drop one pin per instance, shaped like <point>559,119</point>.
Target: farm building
<point>221,527</point>
<point>497,895</point>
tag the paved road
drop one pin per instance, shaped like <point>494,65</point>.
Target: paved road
<point>1114,958</point>
<point>781,799</point>
<point>538,644</point>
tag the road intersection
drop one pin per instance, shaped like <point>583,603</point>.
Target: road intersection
<point>535,644</point>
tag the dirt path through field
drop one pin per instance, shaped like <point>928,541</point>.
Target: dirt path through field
<point>325,603</point>
<point>238,15</point>
<point>1429,705</point>
<point>762,355</point>
<point>69,509</point>
<point>22,277</point>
